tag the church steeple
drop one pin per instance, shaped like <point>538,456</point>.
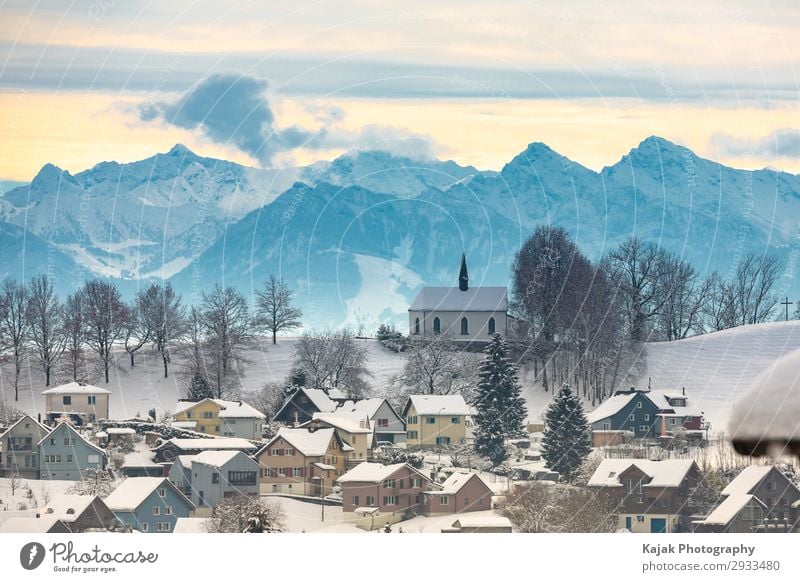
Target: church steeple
<point>463,276</point>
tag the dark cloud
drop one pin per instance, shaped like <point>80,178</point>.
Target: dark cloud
<point>232,110</point>
<point>781,143</point>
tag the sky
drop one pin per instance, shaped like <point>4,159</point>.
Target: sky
<point>284,83</point>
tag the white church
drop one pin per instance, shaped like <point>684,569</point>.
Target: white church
<point>464,313</point>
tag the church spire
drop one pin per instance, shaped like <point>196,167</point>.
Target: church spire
<point>463,276</point>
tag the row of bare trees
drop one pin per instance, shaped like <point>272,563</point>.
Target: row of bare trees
<point>585,323</point>
<point>36,324</point>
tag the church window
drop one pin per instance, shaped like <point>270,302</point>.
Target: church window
<point>416,326</point>
<point>464,326</point>
<point>437,326</point>
<point>491,326</point>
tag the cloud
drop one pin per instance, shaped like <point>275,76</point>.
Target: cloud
<point>781,143</point>
<point>231,110</point>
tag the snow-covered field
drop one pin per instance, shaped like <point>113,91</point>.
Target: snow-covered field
<point>718,368</point>
<point>20,505</point>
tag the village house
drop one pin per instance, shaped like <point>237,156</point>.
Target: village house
<point>302,461</point>
<point>20,450</point>
<point>141,464</point>
<point>34,525</point>
<point>435,420</point>
<point>180,473</point>
<point>646,414</point>
<point>170,449</point>
<point>81,403</point>
<point>460,493</point>
<point>387,426</point>
<point>759,499</point>
<point>356,434</point>
<point>216,475</point>
<point>480,524</point>
<point>81,513</point>
<point>217,417</point>
<point>651,496</point>
<point>464,314</point>
<point>374,494</point>
<point>65,454</point>
<point>301,405</point>
<point>149,504</point>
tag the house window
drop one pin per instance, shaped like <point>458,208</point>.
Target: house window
<point>416,326</point>
<point>216,428</point>
<point>445,499</point>
<point>69,458</point>
<point>355,500</point>
<point>647,417</point>
<point>642,428</point>
<point>288,452</point>
<point>442,440</point>
<point>383,422</point>
<point>606,426</point>
<point>638,405</point>
<point>168,510</point>
<point>52,442</point>
<point>156,510</point>
<point>640,519</point>
<point>67,399</point>
<point>68,442</point>
<point>413,435</point>
<point>144,527</point>
<point>190,415</point>
<point>466,501</point>
<point>94,458</point>
<point>455,420</point>
<point>411,420</point>
<point>215,478</point>
<point>464,326</point>
<point>242,477</point>
<point>640,500</point>
<point>389,484</point>
<point>297,472</point>
<point>491,326</point>
<point>162,492</point>
<point>281,472</point>
<point>162,526</point>
<point>672,420</point>
<point>275,452</point>
<point>437,326</point>
<point>390,500</point>
<point>370,501</point>
<point>208,414</point>
<point>92,400</point>
<point>631,418</point>
<point>430,419</point>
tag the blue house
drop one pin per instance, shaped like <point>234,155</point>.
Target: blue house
<point>633,411</point>
<point>149,504</point>
<point>220,474</point>
<point>64,454</point>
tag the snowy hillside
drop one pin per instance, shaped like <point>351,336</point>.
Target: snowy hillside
<point>718,368</point>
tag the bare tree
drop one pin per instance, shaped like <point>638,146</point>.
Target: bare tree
<point>74,333</point>
<point>333,360</point>
<point>637,270</point>
<point>46,322</point>
<point>228,331</point>
<point>439,367</point>
<point>530,507</point>
<point>274,309</point>
<point>105,316</point>
<point>14,482</point>
<point>753,288</point>
<point>245,514</point>
<point>685,298</point>
<point>165,317</point>
<point>135,333</point>
<point>14,327</point>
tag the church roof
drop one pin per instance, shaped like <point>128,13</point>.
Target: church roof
<point>454,299</point>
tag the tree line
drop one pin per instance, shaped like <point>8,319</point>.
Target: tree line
<point>583,323</point>
<point>57,335</point>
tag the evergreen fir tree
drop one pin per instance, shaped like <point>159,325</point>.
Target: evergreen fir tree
<point>199,387</point>
<point>567,440</point>
<point>501,408</point>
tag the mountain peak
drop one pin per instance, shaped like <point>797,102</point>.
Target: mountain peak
<point>180,150</point>
<point>51,175</point>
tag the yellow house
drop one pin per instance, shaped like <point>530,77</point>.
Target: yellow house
<point>229,418</point>
<point>358,434</point>
<point>435,420</point>
<point>302,461</point>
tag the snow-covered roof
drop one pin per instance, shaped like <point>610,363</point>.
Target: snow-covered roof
<point>222,443</point>
<point>185,461</point>
<point>228,408</point>
<point>191,525</point>
<point>728,509</point>
<point>130,494</point>
<point>454,299</point>
<point>661,398</point>
<point>324,466</point>
<point>360,409</point>
<point>138,459</point>
<point>215,458</point>
<point>435,405</point>
<point>324,402</point>
<point>20,420</point>
<point>67,508</point>
<point>342,423</point>
<point>457,480</point>
<point>101,434</point>
<point>770,409</point>
<point>76,388</point>
<point>120,431</point>
<point>666,473</point>
<point>372,472</point>
<point>28,525</point>
<point>610,407</point>
<point>482,521</point>
<point>309,443</point>
<point>188,424</point>
<point>747,480</point>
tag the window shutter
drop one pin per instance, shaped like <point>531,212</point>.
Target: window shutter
<point>302,471</point>
<point>280,452</point>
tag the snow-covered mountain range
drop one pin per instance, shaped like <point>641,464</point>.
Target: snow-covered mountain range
<point>358,236</point>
